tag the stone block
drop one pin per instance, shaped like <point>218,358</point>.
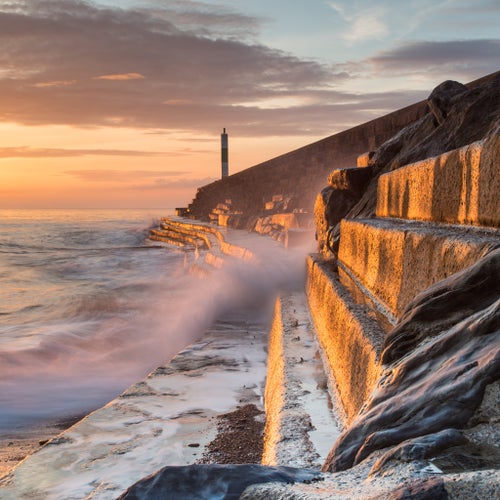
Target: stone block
<point>459,187</point>
<point>395,260</point>
<point>350,339</point>
<point>364,159</point>
<point>229,219</point>
<point>285,220</point>
<point>350,179</point>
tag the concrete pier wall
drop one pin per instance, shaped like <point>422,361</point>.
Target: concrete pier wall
<point>301,173</point>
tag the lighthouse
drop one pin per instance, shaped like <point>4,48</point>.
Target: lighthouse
<point>224,154</point>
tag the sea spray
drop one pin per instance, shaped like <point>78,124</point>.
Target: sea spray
<point>87,348</point>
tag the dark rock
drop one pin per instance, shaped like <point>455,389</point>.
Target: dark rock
<point>472,116</point>
<point>346,186</point>
<point>443,97</point>
<point>211,481</point>
<point>421,447</point>
<point>437,385</point>
<point>424,489</point>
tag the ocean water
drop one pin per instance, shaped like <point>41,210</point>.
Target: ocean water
<point>89,306</point>
<point>84,298</point>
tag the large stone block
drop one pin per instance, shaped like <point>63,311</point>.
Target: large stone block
<point>395,260</point>
<point>461,186</point>
<point>351,340</point>
<point>364,159</point>
<point>350,179</point>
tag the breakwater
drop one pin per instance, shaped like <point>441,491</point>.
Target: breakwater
<point>397,346</point>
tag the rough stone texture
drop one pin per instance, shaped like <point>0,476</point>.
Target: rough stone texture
<point>420,447</point>
<point>437,385</point>
<point>395,260</point>
<point>443,97</point>
<point>364,159</point>
<point>350,179</point>
<point>205,482</point>
<point>459,296</point>
<point>346,186</point>
<point>302,172</point>
<point>472,117</point>
<point>426,489</point>
<point>239,438</point>
<point>351,340</point>
<point>459,187</point>
<point>298,418</point>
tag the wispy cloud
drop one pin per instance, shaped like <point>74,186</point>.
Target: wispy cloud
<point>183,66</point>
<point>464,57</point>
<point>59,83</point>
<point>123,176</point>
<point>29,152</point>
<point>121,77</point>
<point>362,24</point>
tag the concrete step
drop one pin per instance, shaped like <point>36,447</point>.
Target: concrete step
<point>301,421</point>
<point>458,187</point>
<point>176,239</point>
<point>349,335</point>
<point>393,260</point>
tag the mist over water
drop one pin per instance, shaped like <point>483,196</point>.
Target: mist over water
<point>89,306</point>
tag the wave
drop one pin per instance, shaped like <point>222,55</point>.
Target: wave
<point>108,343</point>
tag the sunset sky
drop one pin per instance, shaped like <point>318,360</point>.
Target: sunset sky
<point>120,103</point>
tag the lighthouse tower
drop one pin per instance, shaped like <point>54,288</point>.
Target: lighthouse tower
<point>224,154</point>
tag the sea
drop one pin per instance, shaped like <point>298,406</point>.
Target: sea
<point>88,305</point>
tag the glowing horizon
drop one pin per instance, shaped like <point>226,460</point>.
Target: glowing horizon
<point>127,109</point>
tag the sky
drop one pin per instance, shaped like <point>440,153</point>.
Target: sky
<point>120,103</point>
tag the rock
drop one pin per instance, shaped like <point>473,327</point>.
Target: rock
<point>352,179</point>
<point>443,97</point>
<point>424,489</point>
<point>470,116</point>
<point>211,481</point>
<point>443,305</point>
<point>420,448</point>
<point>436,381</point>
<point>346,186</point>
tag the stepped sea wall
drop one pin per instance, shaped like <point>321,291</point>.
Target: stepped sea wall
<point>301,174</point>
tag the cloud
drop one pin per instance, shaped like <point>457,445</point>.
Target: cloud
<point>467,58</point>
<point>121,77</point>
<point>363,24</point>
<point>190,66</point>
<point>29,152</point>
<point>60,83</point>
<point>193,80</point>
<point>123,176</point>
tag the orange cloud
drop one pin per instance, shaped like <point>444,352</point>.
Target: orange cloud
<point>58,83</point>
<point>122,76</point>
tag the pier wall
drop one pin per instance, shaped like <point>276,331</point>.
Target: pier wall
<point>302,173</point>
